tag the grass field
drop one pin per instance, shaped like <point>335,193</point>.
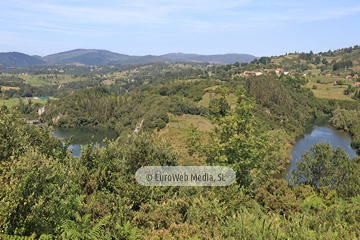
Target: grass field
<point>15,101</point>
<point>38,80</point>
<point>4,88</point>
<point>278,60</point>
<point>177,132</point>
<point>205,101</point>
<point>314,71</point>
<point>108,82</point>
<point>35,80</point>
<point>332,93</point>
<point>326,90</point>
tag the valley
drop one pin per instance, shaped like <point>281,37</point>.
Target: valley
<point>248,115</point>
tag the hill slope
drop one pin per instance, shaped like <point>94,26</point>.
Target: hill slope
<point>179,56</point>
<point>86,56</point>
<point>13,59</point>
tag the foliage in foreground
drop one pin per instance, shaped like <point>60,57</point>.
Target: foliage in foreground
<point>47,194</point>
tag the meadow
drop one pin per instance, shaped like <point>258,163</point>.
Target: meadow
<point>50,79</point>
<point>177,131</point>
<point>325,87</point>
<point>15,101</point>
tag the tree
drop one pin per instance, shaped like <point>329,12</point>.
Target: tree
<point>35,177</point>
<point>265,60</point>
<point>344,119</point>
<point>343,64</point>
<point>239,141</point>
<point>325,168</point>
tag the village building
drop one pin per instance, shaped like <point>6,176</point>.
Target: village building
<point>247,73</point>
<point>279,70</point>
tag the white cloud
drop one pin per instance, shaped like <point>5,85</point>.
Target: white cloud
<point>304,15</point>
<point>202,13</point>
<point>75,20</point>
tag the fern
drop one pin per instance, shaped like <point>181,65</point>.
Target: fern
<point>82,227</point>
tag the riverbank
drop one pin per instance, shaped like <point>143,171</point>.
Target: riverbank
<point>348,120</point>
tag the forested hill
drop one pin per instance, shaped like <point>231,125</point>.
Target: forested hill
<point>288,105</point>
<point>102,57</point>
<point>12,59</point>
<point>86,56</point>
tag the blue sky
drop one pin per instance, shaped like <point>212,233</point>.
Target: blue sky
<point>140,27</point>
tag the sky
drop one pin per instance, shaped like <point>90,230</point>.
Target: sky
<point>156,27</point>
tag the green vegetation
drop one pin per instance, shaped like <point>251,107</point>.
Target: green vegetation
<point>325,87</point>
<point>97,107</point>
<point>238,140</point>
<point>343,64</point>
<point>47,194</point>
<point>326,169</point>
<point>349,121</point>
<point>183,114</point>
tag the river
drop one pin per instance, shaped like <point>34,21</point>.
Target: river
<point>81,135</point>
<point>318,131</point>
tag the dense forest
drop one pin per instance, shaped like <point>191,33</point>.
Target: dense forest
<point>46,193</point>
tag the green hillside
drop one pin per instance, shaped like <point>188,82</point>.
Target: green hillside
<point>12,59</point>
<point>86,56</point>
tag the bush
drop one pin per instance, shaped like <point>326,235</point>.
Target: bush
<point>160,123</point>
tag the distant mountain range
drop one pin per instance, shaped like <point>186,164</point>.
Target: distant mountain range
<point>102,57</point>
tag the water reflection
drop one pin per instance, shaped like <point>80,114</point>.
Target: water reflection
<point>82,135</point>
